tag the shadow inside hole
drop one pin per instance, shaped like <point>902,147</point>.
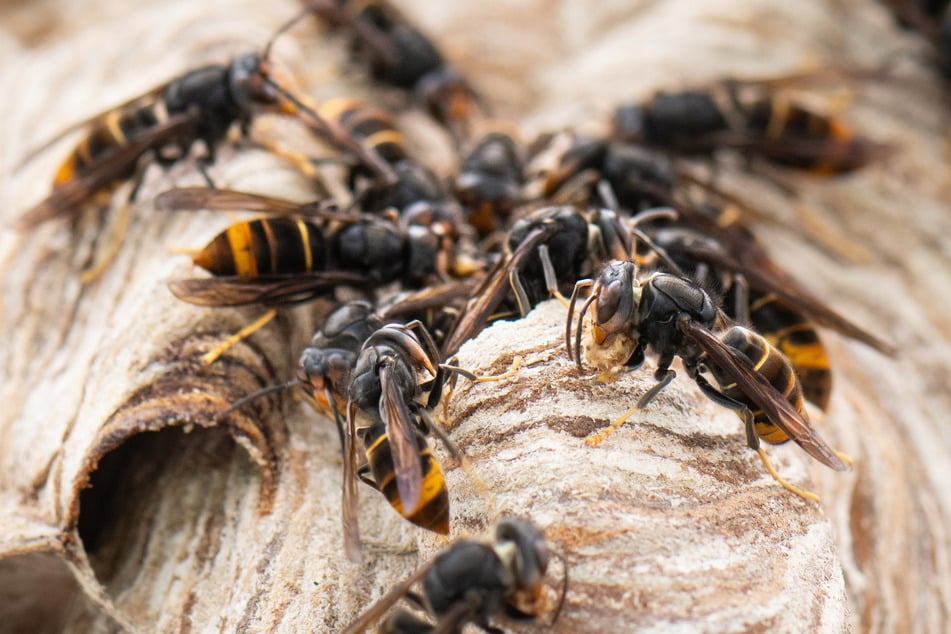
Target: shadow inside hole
<point>157,505</point>
<point>38,594</point>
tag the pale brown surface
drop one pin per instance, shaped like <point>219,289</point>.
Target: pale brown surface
<point>671,524</point>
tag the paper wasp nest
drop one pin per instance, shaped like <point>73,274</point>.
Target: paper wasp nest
<point>124,502</point>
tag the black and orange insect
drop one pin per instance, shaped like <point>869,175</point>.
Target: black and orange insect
<point>671,316</point>
<point>267,261</point>
<point>414,186</point>
<point>547,252</point>
<point>397,367</point>
<point>786,327</point>
<point>425,210</point>
<point>376,128</point>
<point>757,292</point>
<point>752,117</point>
<point>401,55</point>
<point>638,177</point>
<point>630,178</point>
<point>163,124</point>
<point>325,368</point>
<point>473,582</point>
<point>489,184</point>
<point>301,250</point>
<point>707,240</point>
<point>201,105</point>
<point>371,125</point>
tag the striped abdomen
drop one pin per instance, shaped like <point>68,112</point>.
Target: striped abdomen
<point>114,130</point>
<point>789,330</point>
<point>805,139</point>
<point>432,512</point>
<point>371,125</point>
<point>266,246</point>
<point>768,362</point>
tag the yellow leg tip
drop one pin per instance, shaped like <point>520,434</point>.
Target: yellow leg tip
<point>806,495</point>
<point>595,439</point>
<point>93,273</point>
<point>844,457</point>
<point>513,369</point>
<point>212,355</point>
<point>95,270</point>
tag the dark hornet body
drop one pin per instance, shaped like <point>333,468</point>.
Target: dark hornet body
<point>415,185</point>
<point>750,119</point>
<point>286,259</point>
<point>547,252</point>
<point>304,250</point>
<point>753,302</point>
<point>429,218</point>
<point>490,182</point>
<point>397,52</point>
<point>673,317</point>
<point>201,105</point>
<point>561,230</point>
<point>472,582</point>
<point>638,177</point>
<point>384,387</point>
<point>792,333</point>
<point>376,129</point>
<point>385,412</point>
<point>325,366</point>
<point>401,55</point>
<point>769,363</point>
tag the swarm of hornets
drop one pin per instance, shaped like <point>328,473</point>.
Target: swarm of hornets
<point>614,223</point>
